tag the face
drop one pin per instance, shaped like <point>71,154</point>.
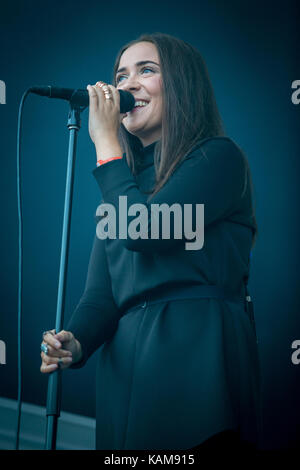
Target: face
<point>144,81</point>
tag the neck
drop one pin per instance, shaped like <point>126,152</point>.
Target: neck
<point>149,140</point>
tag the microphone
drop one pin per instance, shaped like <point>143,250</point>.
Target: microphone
<point>81,97</point>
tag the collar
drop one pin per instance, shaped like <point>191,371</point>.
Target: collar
<point>147,156</point>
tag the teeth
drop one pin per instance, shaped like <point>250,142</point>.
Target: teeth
<point>140,103</point>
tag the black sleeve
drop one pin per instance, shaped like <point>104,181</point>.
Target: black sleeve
<point>213,175</point>
<point>96,316</point>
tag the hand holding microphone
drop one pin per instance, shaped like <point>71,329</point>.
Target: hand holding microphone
<point>79,96</point>
<point>104,113</point>
<point>105,120</point>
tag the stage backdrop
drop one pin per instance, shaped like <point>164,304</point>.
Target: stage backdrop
<point>250,49</point>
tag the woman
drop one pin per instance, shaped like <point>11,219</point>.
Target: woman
<point>178,362</point>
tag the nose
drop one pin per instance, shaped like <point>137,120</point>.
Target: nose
<point>130,84</point>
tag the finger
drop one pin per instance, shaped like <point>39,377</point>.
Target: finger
<point>113,93</point>
<point>56,352</point>
<point>50,360</point>
<point>52,332</point>
<point>49,332</point>
<point>116,96</point>
<point>98,89</point>
<point>100,92</point>
<point>64,336</point>
<point>104,91</point>
<point>48,369</point>
<point>93,97</point>
<point>65,362</point>
<point>52,341</point>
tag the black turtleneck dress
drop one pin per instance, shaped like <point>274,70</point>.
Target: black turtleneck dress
<point>173,373</point>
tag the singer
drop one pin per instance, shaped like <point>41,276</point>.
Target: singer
<point>178,362</point>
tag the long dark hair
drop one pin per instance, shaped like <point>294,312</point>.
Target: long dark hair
<point>189,108</point>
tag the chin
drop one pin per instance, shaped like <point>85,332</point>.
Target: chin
<point>134,130</point>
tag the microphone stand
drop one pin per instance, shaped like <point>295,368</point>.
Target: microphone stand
<point>55,379</point>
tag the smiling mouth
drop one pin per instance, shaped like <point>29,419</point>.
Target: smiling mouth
<point>135,109</point>
<point>140,104</point>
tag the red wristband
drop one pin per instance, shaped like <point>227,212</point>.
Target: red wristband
<point>101,162</point>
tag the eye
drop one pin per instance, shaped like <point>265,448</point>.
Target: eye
<point>142,70</point>
<point>119,78</point>
<point>147,68</point>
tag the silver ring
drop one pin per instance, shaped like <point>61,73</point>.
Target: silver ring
<point>44,348</point>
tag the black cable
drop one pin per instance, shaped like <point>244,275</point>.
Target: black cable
<point>19,402</point>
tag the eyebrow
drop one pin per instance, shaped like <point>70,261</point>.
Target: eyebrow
<point>142,62</point>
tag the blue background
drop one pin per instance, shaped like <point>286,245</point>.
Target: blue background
<point>250,49</point>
